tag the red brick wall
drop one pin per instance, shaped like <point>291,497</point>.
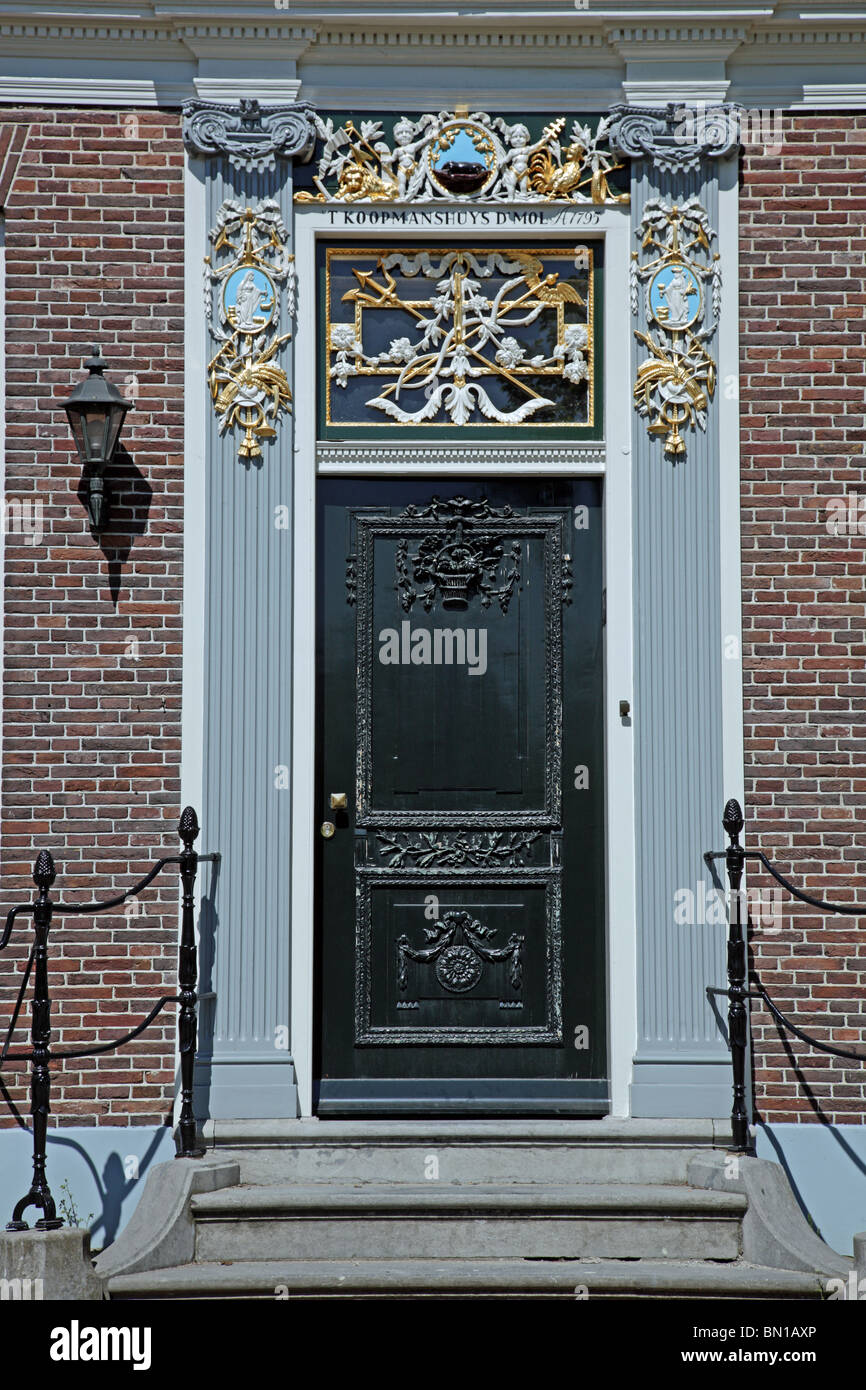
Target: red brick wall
<point>803,431</point>
<point>94,254</point>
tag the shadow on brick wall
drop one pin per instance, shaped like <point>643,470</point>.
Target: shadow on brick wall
<point>130,496</point>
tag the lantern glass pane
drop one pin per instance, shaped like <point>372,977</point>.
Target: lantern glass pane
<point>96,431</point>
<point>114,422</point>
<point>77,432</point>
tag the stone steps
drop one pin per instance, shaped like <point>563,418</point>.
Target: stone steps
<point>468,1209</point>
<point>338,1221</point>
<point>487,1151</point>
<point>485,1279</point>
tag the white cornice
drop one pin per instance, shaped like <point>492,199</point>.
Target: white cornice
<point>456,38</point>
<point>671,36</point>
<point>85,91</point>
<point>428,98</point>
<point>88,33</point>
<point>392,14</point>
<point>533,27</point>
<point>809,38</point>
<point>259,32</point>
<point>273,91</point>
<point>649,93</point>
<point>411,55</point>
<point>833,98</point>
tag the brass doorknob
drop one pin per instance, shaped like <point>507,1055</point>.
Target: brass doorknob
<point>338,801</point>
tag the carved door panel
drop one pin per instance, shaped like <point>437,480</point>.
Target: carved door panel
<point>461,945</point>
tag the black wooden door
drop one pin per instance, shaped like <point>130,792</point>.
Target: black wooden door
<point>461,943</point>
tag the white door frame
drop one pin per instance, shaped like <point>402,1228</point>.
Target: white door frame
<point>560,458</point>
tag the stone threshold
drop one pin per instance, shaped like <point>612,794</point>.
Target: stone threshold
<point>713,1133</point>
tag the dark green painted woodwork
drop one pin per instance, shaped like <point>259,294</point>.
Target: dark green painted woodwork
<point>461,945</point>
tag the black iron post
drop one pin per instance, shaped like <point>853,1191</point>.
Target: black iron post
<point>39,1195</point>
<point>735,856</point>
<point>188,830</point>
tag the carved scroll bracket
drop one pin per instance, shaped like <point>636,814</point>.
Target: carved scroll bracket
<point>253,137</point>
<point>676,137</point>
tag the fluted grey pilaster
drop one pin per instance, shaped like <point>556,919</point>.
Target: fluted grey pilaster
<point>245,1068</point>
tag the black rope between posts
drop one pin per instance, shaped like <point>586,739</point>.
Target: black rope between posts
<point>744,985</point>
<point>40,1056</point>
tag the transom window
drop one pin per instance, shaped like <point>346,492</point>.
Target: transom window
<point>494,337</point>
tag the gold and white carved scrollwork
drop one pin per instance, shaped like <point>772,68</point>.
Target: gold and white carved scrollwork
<point>460,155</point>
<point>477,318</point>
<point>247,275</point>
<point>677,381</point>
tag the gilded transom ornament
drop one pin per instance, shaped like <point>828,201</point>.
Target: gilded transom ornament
<point>677,381</point>
<point>248,272</point>
<point>457,155</point>
<point>460,336</point>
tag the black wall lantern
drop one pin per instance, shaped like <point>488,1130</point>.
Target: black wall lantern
<point>96,413</point>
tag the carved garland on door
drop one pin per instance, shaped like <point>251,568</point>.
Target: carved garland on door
<point>459,948</point>
<point>459,562</point>
<point>457,974</point>
<point>427,849</point>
